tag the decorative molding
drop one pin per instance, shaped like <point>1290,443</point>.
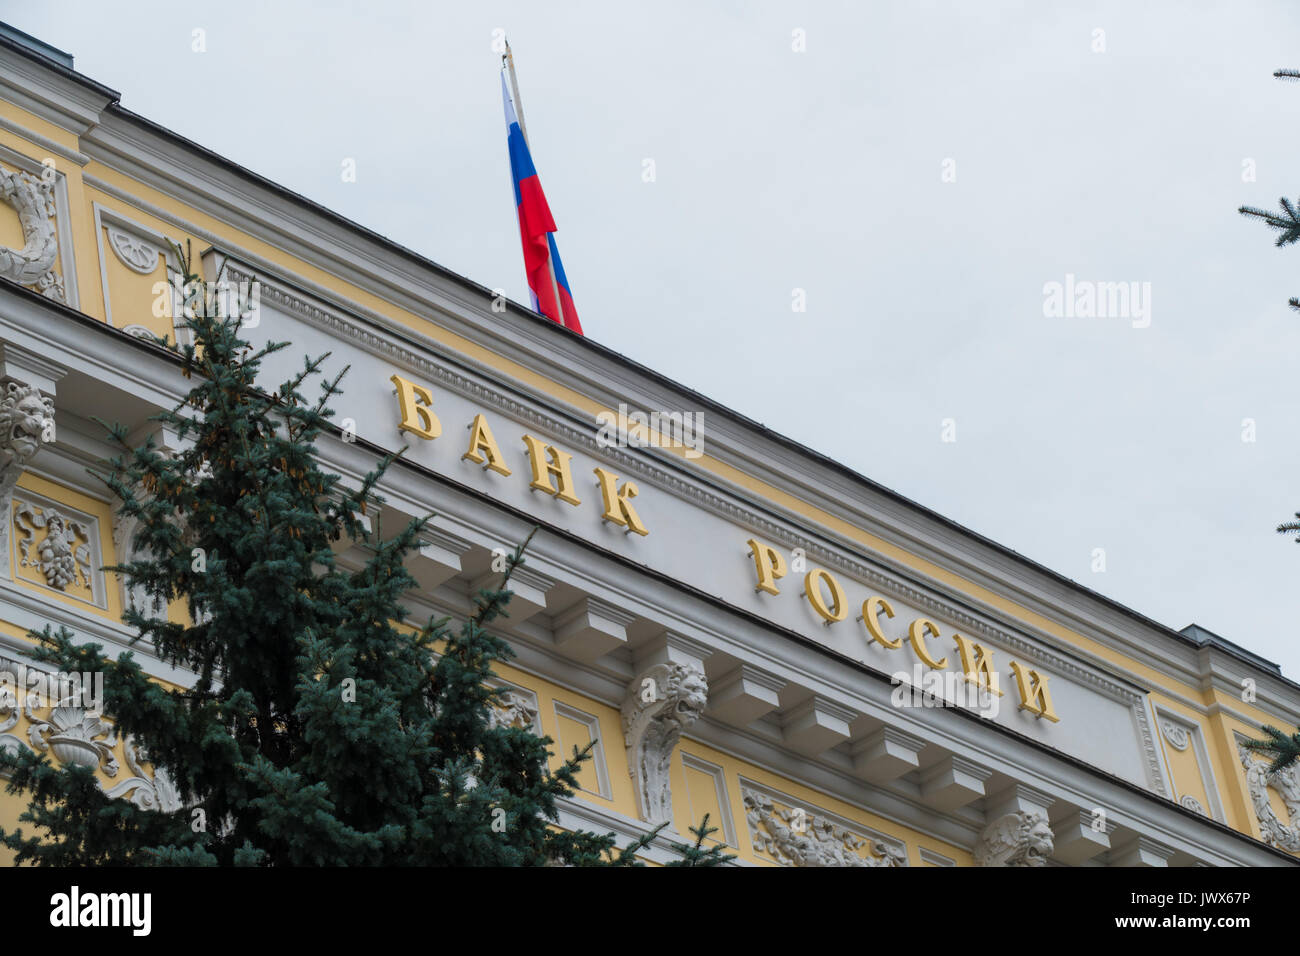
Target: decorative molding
<point>148,793</point>
<point>1272,830</point>
<point>140,332</point>
<point>515,707</point>
<point>724,824</point>
<point>592,724</point>
<point>1191,803</point>
<point>935,859</point>
<point>1175,735</point>
<point>53,147</point>
<point>694,491</point>
<point>796,836</point>
<point>1183,734</point>
<point>50,283</point>
<point>63,554</point>
<point>77,737</point>
<point>26,423</point>
<point>61,543</point>
<point>74,736</point>
<point>1019,838</point>
<point>661,702</point>
<point>133,244</point>
<point>137,254</point>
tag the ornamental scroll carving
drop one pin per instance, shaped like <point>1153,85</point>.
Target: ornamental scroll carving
<point>661,703</point>
<point>797,837</point>
<point>1019,838</point>
<point>148,793</point>
<point>73,735</point>
<point>1271,829</point>
<point>32,198</point>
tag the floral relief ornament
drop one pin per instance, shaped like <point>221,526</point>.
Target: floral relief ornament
<point>63,555</point>
<point>799,838</point>
<point>158,793</point>
<point>74,735</point>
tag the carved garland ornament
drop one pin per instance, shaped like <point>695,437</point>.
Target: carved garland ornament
<point>660,704</point>
<point>1015,839</point>
<point>1272,830</point>
<point>32,265</point>
<point>795,837</point>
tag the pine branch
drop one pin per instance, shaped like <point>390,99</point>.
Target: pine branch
<point>1282,748</point>
<point>696,855</point>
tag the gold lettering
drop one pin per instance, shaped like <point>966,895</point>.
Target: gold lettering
<point>916,634</point>
<point>617,508</point>
<point>768,565</point>
<point>557,466</point>
<point>812,588</point>
<point>871,609</point>
<point>483,448</point>
<point>977,663</point>
<point>417,416</point>
<point>1034,696</point>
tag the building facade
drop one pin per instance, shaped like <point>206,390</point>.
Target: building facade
<point>836,675</point>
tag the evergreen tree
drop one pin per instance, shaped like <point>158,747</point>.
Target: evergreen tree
<point>321,728</point>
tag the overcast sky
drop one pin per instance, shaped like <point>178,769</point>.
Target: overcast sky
<point>1112,156</point>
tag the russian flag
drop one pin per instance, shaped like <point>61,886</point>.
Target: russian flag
<point>536,229</point>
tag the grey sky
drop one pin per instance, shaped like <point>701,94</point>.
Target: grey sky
<point>821,170</point>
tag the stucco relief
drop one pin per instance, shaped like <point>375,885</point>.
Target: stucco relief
<point>75,736</point>
<point>32,198</point>
<point>57,545</point>
<point>1176,735</point>
<point>661,703</point>
<point>135,253</point>
<point>1284,836</point>
<point>513,708</point>
<point>26,423</point>
<point>794,836</point>
<point>1015,839</point>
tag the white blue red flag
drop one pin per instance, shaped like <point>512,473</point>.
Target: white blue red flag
<point>547,283</point>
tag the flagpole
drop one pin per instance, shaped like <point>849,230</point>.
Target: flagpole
<point>519,113</point>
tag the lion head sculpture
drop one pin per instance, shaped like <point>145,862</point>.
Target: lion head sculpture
<point>24,417</point>
<point>1016,839</point>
